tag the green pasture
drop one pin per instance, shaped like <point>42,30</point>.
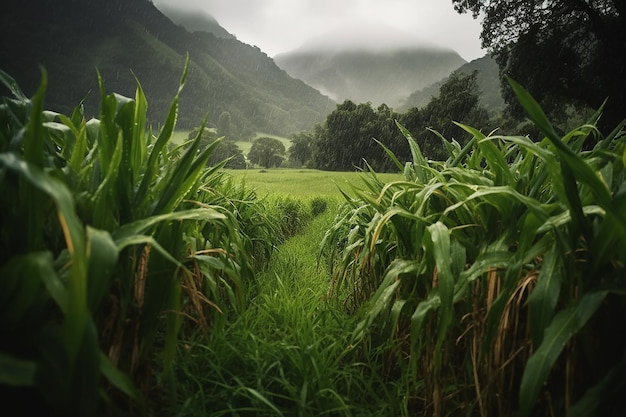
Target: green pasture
<point>244,145</point>
<point>179,136</point>
<point>285,141</point>
<point>304,183</point>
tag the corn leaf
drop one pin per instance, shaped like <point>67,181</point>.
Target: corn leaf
<point>16,372</point>
<point>10,83</point>
<point>117,378</point>
<point>440,236</point>
<point>419,162</point>
<point>564,326</point>
<point>141,226</point>
<point>103,256</point>
<point>543,299</point>
<point>34,137</point>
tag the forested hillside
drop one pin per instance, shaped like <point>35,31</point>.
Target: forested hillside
<point>195,21</point>
<point>73,40</point>
<point>487,79</point>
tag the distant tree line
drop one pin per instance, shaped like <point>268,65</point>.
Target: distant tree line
<point>352,134</point>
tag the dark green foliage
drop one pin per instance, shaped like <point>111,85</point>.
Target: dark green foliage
<point>228,151</point>
<point>267,152</point>
<point>562,52</point>
<point>458,101</point>
<point>352,134</point>
<point>301,148</point>
<point>495,272</point>
<point>347,140</point>
<point>112,249</point>
<point>318,206</point>
<point>69,38</point>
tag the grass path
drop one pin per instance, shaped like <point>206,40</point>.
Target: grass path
<point>286,355</point>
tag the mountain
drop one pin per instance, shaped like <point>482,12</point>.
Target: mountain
<point>369,63</point>
<point>75,39</point>
<point>197,21</point>
<point>487,79</point>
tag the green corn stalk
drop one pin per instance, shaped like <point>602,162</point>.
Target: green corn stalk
<point>62,266</point>
<point>135,227</point>
<point>496,234</point>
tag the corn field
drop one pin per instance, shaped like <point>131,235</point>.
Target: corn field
<point>491,283</point>
<point>497,275</point>
<point>114,245</point>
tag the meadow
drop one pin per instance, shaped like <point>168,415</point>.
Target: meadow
<point>181,136</point>
<point>137,280</point>
<point>303,183</point>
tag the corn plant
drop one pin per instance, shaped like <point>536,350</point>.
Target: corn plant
<point>493,270</point>
<point>110,244</point>
<point>50,355</point>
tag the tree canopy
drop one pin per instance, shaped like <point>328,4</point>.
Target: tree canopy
<point>562,51</point>
<point>458,101</point>
<point>349,137</point>
<point>346,140</point>
<point>300,150</point>
<point>267,152</point>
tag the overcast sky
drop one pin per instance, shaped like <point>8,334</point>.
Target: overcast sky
<point>277,26</point>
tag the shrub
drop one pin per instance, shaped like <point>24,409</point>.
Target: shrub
<point>318,206</point>
<point>289,215</point>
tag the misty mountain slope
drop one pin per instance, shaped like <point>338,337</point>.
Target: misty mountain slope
<point>487,79</point>
<point>70,39</point>
<point>195,21</point>
<point>369,63</point>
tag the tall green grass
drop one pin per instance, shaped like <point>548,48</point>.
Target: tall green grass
<point>113,247</point>
<point>289,354</point>
<point>495,272</point>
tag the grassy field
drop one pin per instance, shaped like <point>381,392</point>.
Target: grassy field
<point>245,145</point>
<point>303,183</point>
<point>284,140</point>
<point>180,136</point>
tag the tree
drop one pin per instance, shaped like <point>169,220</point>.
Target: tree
<point>346,139</point>
<point>267,152</point>
<point>458,101</point>
<point>561,51</point>
<point>224,150</point>
<point>349,139</point>
<point>300,149</point>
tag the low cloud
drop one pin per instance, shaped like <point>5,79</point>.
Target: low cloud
<point>278,26</point>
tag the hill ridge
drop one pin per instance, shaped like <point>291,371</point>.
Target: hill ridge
<point>71,39</point>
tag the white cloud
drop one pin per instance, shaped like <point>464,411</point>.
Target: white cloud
<point>278,26</point>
